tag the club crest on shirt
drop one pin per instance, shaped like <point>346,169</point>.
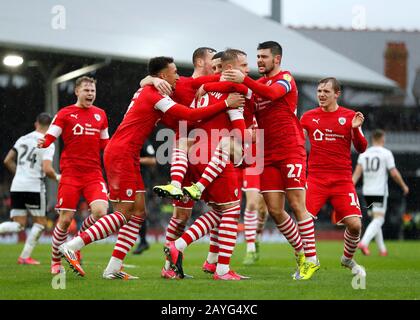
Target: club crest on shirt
<point>236,192</point>
<point>60,202</point>
<point>97,117</point>
<point>342,120</point>
<point>129,192</point>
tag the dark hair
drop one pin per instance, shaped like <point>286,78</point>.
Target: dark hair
<point>231,55</point>
<point>274,46</point>
<point>156,64</point>
<point>217,55</point>
<point>201,53</point>
<point>335,84</point>
<point>44,119</point>
<point>80,80</point>
<point>377,134</point>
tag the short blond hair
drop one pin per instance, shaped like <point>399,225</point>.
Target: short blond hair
<point>80,80</point>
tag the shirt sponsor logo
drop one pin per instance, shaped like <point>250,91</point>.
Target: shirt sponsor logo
<point>318,135</point>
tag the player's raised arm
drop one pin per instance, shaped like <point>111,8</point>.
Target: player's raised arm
<point>54,131</point>
<point>272,92</point>
<point>181,112</point>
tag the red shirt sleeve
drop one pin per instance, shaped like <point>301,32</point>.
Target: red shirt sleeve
<point>198,82</point>
<point>48,140</point>
<point>182,112</point>
<point>272,92</point>
<point>226,87</point>
<point>359,141</point>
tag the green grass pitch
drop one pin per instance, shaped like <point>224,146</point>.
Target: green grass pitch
<point>394,277</point>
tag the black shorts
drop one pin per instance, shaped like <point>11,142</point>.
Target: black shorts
<point>25,200</point>
<point>376,203</point>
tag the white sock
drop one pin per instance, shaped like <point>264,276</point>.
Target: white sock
<point>374,226</point>
<point>200,186</point>
<point>114,265</point>
<point>176,184</point>
<point>222,269</point>
<point>75,244</point>
<point>180,244</point>
<point>10,226</point>
<point>312,259</point>
<point>167,264</point>
<point>379,238</point>
<point>250,247</point>
<point>212,257</point>
<point>32,240</point>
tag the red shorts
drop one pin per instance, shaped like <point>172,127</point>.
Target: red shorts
<point>123,174</point>
<point>251,182</point>
<point>284,175</point>
<point>340,192</point>
<point>91,186</point>
<point>224,189</point>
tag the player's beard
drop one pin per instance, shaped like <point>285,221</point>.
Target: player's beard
<point>268,69</point>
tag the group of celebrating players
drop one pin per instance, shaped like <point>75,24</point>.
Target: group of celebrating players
<point>260,145</point>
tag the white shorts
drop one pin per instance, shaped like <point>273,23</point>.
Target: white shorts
<point>24,202</point>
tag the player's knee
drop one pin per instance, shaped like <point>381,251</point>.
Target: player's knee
<point>252,206</point>
<point>99,210</point>
<point>65,221</point>
<point>355,227</point>
<point>140,213</point>
<point>297,206</point>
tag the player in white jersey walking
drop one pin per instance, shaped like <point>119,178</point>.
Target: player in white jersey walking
<point>375,164</point>
<point>30,165</point>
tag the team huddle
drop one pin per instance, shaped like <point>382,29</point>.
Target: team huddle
<point>259,148</point>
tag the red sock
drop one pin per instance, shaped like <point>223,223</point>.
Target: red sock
<point>179,166</point>
<point>228,232</point>
<point>307,234</point>
<point>58,238</point>
<point>127,237</point>
<point>216,166</point>
<point>289,230</point>
<point>104,227</point>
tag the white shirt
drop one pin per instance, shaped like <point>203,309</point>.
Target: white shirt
<point>29,175</point>
<point>376,162</point>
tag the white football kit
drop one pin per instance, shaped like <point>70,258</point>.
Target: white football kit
<point>28,186</point>
<point>376,161</point>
